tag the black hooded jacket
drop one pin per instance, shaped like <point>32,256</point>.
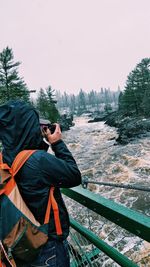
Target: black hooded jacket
<point>19,130</point>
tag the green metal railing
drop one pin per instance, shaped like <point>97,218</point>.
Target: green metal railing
<point>134,222</point>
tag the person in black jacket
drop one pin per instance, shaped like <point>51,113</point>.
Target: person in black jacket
<point>19,130</point>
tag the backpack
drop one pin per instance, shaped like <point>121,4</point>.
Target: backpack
<point>21,235</point>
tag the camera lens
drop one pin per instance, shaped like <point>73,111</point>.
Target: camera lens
<point>52,128</point>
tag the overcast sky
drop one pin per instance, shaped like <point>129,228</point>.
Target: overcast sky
<point>73,44</point>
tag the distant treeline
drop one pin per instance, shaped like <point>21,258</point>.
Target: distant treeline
<point>83,102</point>
<point>133,100</point>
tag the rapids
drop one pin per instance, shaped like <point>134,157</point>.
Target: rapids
<point>99,158</point>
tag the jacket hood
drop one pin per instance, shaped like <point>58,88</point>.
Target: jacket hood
<point>19,129</point>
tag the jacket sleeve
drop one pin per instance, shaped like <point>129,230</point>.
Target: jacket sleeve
<point>60,170</point>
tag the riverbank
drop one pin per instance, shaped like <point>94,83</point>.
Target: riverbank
<point>128,128</point>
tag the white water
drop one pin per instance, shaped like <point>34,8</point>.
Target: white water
<point>98,157</point>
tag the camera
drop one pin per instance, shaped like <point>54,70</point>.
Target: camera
<point>51,127</point>
<point>47,124</point>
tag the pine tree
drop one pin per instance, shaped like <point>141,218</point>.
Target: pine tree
<point>120,101</point>
<point>72,103</point>
<point>137,89</point>
<point>66,100</point>
<point>130,99</point>
<point>81,102</point>
<point>11,85</point>
<point>53,113</point>
<point>41,103</point>
<point>46,104</point>
<point>92,98</point>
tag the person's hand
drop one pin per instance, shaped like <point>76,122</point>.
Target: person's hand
<point>56,136</point>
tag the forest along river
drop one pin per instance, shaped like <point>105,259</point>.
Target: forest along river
<point>100,159</point>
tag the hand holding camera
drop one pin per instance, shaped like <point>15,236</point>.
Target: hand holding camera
<point>52,133</point>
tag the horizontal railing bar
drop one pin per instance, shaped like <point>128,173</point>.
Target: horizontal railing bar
<point>103,246</point>
<point>85,183</point>
<point>126,218</point>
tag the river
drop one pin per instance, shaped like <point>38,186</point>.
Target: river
<point>99,158</point>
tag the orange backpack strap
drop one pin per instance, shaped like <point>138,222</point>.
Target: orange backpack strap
<point>19,160</point>
<point>1,158</point>
<point>52,202</point>
<point>56,212</point>
<point>4,170</point>
<point>48,210</point>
